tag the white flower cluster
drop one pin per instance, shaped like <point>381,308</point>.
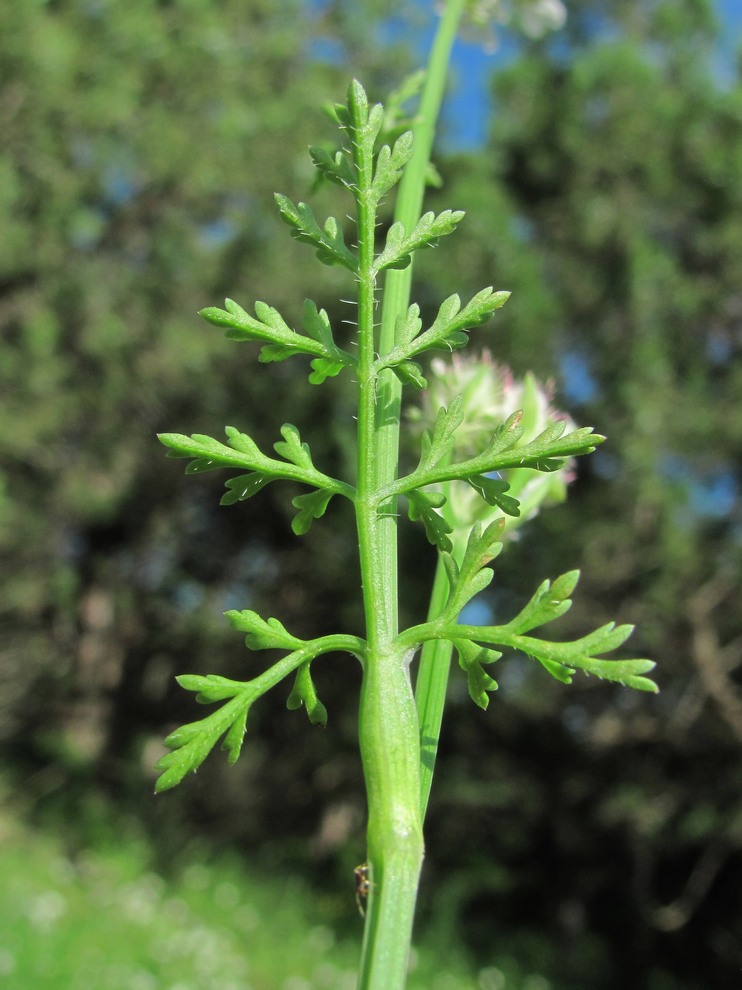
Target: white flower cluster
<point>491,394</point>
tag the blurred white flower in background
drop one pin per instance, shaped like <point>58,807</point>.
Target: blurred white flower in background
<point>541,16</point>
<point>534,18</point>
<point>491,394</point>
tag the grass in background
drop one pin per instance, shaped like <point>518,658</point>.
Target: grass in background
<point>102,919</point>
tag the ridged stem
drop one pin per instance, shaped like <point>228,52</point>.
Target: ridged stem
<point>388,725</point>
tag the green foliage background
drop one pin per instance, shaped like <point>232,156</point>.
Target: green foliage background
<point>593,832</point>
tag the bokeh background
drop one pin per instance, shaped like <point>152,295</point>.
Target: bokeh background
<point>581,838</point>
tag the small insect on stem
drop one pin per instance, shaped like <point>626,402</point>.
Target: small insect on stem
<point>363,887</point>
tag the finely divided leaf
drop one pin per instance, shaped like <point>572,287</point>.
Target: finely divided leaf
<point>562,660</point>
<point>357,103</point>
<point>244,486</point>
<point>437,444</point>
<point>273,353</point>
<point>552,443</point>
<point>482,546</point>
<point>502,454</point>
<point>232,742</point>
<point>364,122</point>
<point>304,693</point>
<point>449,327</point>
<point>292,449</point>
<point>269,324</point>
<point>335,167</point>
<point>361,123</point>
<point>472,575</point>
<point>550,600</point>
<point>605,639</point>
<point>242,442</point>
<point>390,163</point>
<point>328,240</point>
<point>408,325</point>
<point>471,659</point>
<point>410,373</point>
<point>467,587</point>
<point>543,453</point>
<point>317,325</point>
<point>626,672</point>
<point>312,506</point>
<point>325,368</point>
<point>271,318</point>
<point>507,435</point>
<point>262,634</point>
<point>493,491</point>
<point>192,743</point>
<point>200,465</point>
<point>423,505</point>
<point>557,670</point>
<point>206,449</point>
<point>281,341</point>
<point>211,687</point>
<point>427,233</point>
<point>208,454</point>
<point>241,452</point>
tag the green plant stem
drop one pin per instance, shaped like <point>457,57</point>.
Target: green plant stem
<point>387,717</point>
<point>432,677</point>
<point>389,734</point>
<point>412,187</point>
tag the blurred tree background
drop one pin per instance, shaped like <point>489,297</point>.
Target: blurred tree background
<point>596,833</point>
